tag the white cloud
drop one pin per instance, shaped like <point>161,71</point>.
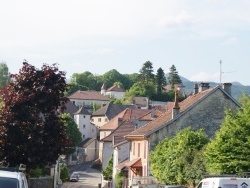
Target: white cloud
<point>205,76</point>
<point>181,19</point>
<point>231,40</point>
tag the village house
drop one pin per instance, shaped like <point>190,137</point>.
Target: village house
<point>107,112</point>
<point>113,92</point>
<point>204,109</point>
<point>88,99</point>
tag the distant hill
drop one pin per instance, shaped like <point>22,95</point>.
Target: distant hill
<point>237,88</point>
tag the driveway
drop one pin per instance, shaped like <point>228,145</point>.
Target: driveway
<point>89,177</point>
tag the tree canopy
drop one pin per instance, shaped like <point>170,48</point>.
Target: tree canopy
<point>178,160</point>
<point>160,80</point>
<point>146,73</point>
<point>31,131</point>
<point>173,77</point>
<point>229,151</point>
<point>4,75</point>
<point>72,132</point>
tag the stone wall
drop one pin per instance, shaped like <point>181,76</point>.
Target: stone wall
<point>208,115</point>
<point>43,182</point>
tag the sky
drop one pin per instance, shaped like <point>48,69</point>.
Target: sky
<point>101,35</point>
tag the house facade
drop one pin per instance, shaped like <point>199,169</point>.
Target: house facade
<point>88,99</point>
<point>204,109</point>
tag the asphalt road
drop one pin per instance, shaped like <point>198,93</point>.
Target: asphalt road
<point>89,177</point>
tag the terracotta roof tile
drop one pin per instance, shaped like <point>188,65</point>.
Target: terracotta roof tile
<point>88,95</point>
<point>126,115</point>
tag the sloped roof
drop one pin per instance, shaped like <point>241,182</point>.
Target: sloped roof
<point>154,113</point>
<point>126,115</point>
<point>82,110</point>
<point>88,95</point>
<point>115,88</point>
<point>86,142</point>
<point>140,101</point>
<point>70,108</point>
<point>119,133</point>
<point>111,110</point>
<point>165,118</point>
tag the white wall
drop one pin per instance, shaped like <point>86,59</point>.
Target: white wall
<point>85,127</point>
<point>115,94</point>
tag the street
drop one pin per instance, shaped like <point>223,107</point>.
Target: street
<point>89,177</point>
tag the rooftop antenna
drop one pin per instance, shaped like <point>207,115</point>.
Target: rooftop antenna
<point>223,72</point>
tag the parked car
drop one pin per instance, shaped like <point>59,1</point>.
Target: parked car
<point>12,178</point>
<point>74,176</point>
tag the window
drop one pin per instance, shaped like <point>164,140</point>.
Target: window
<point>92,119</point>
<point>139,147</point>
<point>84,126</point>
<point>99,119</point>
<point>83,116</point>
<point>106,119</point>
<point>83,136</point>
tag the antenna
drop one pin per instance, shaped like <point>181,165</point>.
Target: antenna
<point>223,72</point>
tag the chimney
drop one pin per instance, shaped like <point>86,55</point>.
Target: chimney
<point>196,88</point>
<point>176,108</point>
<point>203,86</point>
<point>153,113</point>
<point>227,88</point>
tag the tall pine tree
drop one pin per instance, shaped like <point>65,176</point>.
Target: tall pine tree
<point>173,77</point>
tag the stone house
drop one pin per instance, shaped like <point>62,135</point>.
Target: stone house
<point>204,109</point>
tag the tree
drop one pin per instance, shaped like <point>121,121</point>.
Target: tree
<point>146,73</point>
<point>31,131</point>
<point>173,77</point>
<point>160,80</point>
<point>229,151</point>
<point>4,75</point>
<point>108,171</point>
<point>72,131</point>
<point>174,160</point>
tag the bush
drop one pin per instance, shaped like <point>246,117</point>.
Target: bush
<point>64,175</point>
<point>36,173</point>
<point>119,180</point>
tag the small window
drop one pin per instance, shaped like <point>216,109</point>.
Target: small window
<point>99,119</point>
<point>92,119</point>
<point>84,126</point>
<point>106,119</point>
<point>83,116</point>
<point>83,136</point>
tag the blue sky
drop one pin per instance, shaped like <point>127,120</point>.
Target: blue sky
<point>100,35</point>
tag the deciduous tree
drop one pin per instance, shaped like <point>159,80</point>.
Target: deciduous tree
<point>31,131</point>
<point>174,160</point>
<point>229,152</point>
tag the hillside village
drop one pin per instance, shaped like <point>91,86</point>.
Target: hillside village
<point>130,132</point>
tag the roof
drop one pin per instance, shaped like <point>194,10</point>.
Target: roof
<point>126,115</point>
<point>70,108</point>
<point>135,163</point>
<point>140,101</point>
<point>88,95</point>
<point>82,110</point>
<point>166,118</point>
<point>115,88</point>
<point>86,142</point>
<point>111,110</point>
<point>119,133</point>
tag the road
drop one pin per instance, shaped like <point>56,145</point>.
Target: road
<point>89,177</point>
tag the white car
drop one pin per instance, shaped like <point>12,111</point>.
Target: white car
<point>74,176</point>
<point>12,179</point>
